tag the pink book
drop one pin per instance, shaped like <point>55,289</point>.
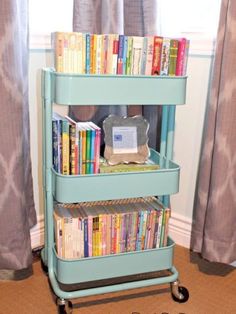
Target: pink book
<point>180,57</point>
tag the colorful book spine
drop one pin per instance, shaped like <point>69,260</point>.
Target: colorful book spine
<point>137,51</point>
<point>105,53</point>
<point>84,53</point>
<point>87,71</point>
<point>165,54</point>
<point>184,72</point>
<point>95,156</point>
<point>57,39</point>
<point>91,58</point>
<point>66,53</point>
<point>129,55</point>
<point>158,45</point>
<point>180,57</point>
<point>72,148</point>
<point>120,61</point>
<point>56,144</point>
<point>149,56</point>
<point>115,53</point>
<point>173,56</point>
<point>144,56</point>
<point>125,54</point>
<point>98,52</point>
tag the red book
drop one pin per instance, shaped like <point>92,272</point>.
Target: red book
<point>157,47</point>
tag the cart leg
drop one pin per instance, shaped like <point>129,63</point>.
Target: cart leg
<point>64,306</point>
<point>179,294</point>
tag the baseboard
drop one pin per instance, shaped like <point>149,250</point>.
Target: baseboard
<point>179,230</point>
<point>37,233</point>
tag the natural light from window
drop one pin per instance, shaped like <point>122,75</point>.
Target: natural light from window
<point>196,20</point>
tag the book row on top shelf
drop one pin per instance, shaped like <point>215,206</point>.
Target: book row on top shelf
<point>85,53</point>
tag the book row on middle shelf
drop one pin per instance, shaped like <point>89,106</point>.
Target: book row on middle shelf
<point>76,149</point>
<point>110,227</point>
<point>85,53</point>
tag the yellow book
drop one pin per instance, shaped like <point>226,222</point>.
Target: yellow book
<point>66,65</point>
<point>91,53</point>
<point>94,54</point>
<point>57,39</point>
<point>83,70</point>
<point>65,147</point>
<point>79,51</point>
<point>72,66</point>
<point>82,149</point>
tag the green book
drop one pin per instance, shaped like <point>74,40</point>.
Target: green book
<point>149,165</point>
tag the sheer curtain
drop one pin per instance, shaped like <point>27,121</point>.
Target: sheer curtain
<point>214,232</point>
<point>17,212</point>
<point>129,17</point>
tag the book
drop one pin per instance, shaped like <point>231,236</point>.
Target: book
<point>74,145</point>
<point>56,143</point>
<point>120,60</point>
<point>165,53</point>
<point>98,52</point>
<point>96,142</point>
<point>129,55</point>
<point>144,56</point>
<point>57,41</point>
<point>149,165</point>
<point>149,55</point>
<point>87,57</point>
<point>115,53</point>
<point>137,51</point>
<point>184,71</point>
<point>173,56</point>
<point>180,56</point>
<point>157,55</point>
<point>65,145</point>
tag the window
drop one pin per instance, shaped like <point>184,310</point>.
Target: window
<point>196,20</point>
<point>46,16</point>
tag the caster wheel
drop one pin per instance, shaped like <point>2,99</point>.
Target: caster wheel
<point>64,307</point>
<point>183,295</point>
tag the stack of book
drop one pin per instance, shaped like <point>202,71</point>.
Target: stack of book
<point>85,53</point>
<point>110,227</point>
<point>76,146</point>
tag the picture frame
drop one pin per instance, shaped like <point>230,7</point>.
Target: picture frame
<point>126,139</point>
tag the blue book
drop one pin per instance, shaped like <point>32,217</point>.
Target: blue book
<point>86,252</point>
<point>144,56</point>
<point>125,47</point>
<point>87,67</point>
<point>120,55</point>
<point>57,141</point>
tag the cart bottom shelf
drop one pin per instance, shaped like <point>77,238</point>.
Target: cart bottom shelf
<point>104,274</point>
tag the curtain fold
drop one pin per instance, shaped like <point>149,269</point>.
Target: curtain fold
<point>214,232</point>
<point>129,17</point>
<point>17,212</point>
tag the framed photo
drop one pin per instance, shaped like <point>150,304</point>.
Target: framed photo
<point>126,139</point>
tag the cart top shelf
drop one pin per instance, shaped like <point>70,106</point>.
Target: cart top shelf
<point>76,89</point>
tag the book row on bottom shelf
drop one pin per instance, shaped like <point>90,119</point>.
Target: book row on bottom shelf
<point>109,227</point>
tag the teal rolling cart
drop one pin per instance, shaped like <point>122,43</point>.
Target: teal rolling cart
<point>72,89</point>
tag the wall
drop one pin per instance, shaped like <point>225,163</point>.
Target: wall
<point>189,126</point>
